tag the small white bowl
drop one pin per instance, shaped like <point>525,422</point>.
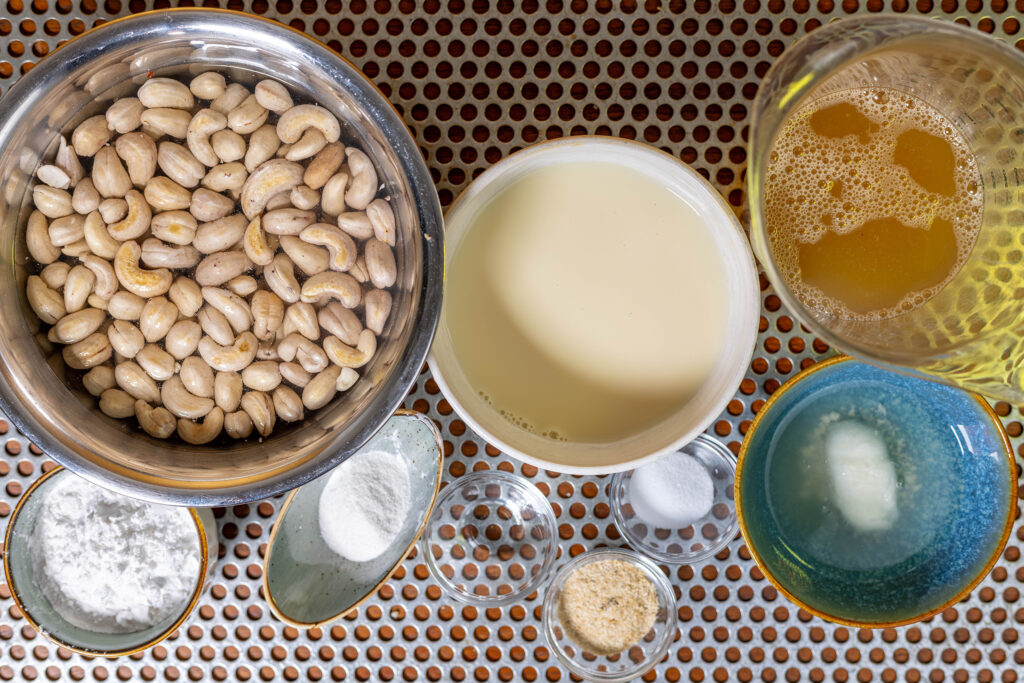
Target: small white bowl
<point>691,418</point>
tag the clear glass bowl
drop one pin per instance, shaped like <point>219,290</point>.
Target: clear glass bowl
<point>491,539</point>
<point>694,542</point>
<point>628,664</point>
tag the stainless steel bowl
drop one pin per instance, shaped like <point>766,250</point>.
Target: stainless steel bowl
<point>79,80</point>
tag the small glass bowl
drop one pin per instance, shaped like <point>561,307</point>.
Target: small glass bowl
<point>626,665</point>
<point>491,539</point>
<point>695,542</point>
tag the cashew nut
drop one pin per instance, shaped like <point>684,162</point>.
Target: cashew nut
<point>268,314</point>
<point>345,356</point>
<point>262,375</point>
<point>157,422</point>
<point>156,254</point>
<point>67,161</point>
<point>228,145</point>
<point>341,322</point>
<point>242,285</point>
<point>304,197</point>
<point>301,317</point>
<point>218,268</point>
<point>229,358</point>
<point>294,374</point>
<point>334,285</point>
<point>165,92</point>
<point>186,295</point>
<point>287,404</point>
<point>125,115</point>
<point>208,205</point>
<point>53,176</point>
<point>287,221</point>
<point>319,391</point>
<point>197,376</point>
<point>324,165</point>
<point>238,425</point>
<point>247,116</point>
<point>182,339</point>
<point>108,175</point>
<point>216,325</point>
<point>380,263</point>
<point>363,187</point>
<point>98,237</point>
<point>55,274</point>
<point>220,234</point>
<point>66,230</point>
<point>382,218</point>
<point>205,123</point>
<point>37,239</point>
<point>234,94</point>
<point>227,390</point>
<point>234,307</point>
<point>199,433</point>
<point>311,142</point>
<point>85,198</point>
<point>90,135</point>
<point>54,203</point>
<point>273,96</point>
<point>255,244</point>
<point>77,288</point>
<point>226,177</point>
<point>157,363</point>
<point>208,85</point>
<point>280,277</point>
<point>75,327</point>
<point>311,357</point>
<point>125,306</point>
<point>117,403</point>
<point>294,122</point>
<point>166,121</point>
<point>341,247</point>
<point>92,351</point>
<point>138,151</point>
<point>332,197</point>
<point>181,402</point>
<point>137,280</point>
<point>179,164</point>
<point>99,379</point>
<point>310,258</point>
<point>263,144</point>
<point>158,315</point>
<point>270,179</point>
<point>163,194</point>
<point>260,409</point>
<point>105,280</point>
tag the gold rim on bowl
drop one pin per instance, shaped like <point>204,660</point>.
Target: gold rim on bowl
<point>269,596</point>
<point>204,555</point>
<point>971,585</point>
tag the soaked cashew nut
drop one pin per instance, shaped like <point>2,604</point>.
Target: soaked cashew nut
<point>197,376</point>
<point>234,307</point>
<point>296,347</point>
<point>304,197</point>
<point>182,339</point>
<point>363,187</point>
<point>310,258</point>
<point>117,403</point>
<point>75,327</point>
<point>287,404</point>
<point>345,356</point>
<point>96,235</point>
<point>247,116</point>
<point>242,285</point>
<point>113,209</point>
<point>270,179</point>
<point>85,198</point>
<point>332,198</point>
<point>157,363</point>
<point>294,122</point>
<point>90,135</point>
<point>311,142</point>
<point>287,221</point>
<point>238,425</point>
<point>234,94</point>
<point>228,145</point>
<point>67,161</point>
<point>125,306</point>
<point>255,244</point>
<point>262,375</point>
<point>53,203</point>
<point>202,432</point>
<point>216,269</point>
<point>377,308</point>
<point>125,115</point>
<point>380,263</point>
<point>319,391</point>
<point>181,402</point>
<point>66,230</point>
<point>334,285</point>
<point>54,176</point>
<point>294,373</point>
<point>227,390</point>
<point>166,121</point>
<point>229,358</point>
<point>342,248</point>
<point>37,239</point>
<point>260,409</point>
<point>55,274</point>
<point>220,234</point>
<point>157,422</point>
<point>226,177</point>
<point>77,288</point>
<point>138,151</point>
<point>92,351</point>
<point>346,379</point>
<point>186,295</point>
<point>179,164</point>
<point>263,144</point>
<point>137,280</point>
<point>176,227</point>
<point>382,218</point>
<point>216,325</point>
<point>324,165</point>
<point>208,205</point>
<point>205,123</point>
<point>273,96</point>
<point>158,315</point>
<point>301,317</point>
<point>156,254</point>
<point>341,322</point>
<point>267,313</point>
<point>165,92</point>
<point>163,194</point>
<point>280,277</point>
<point>208,85</point>
<point>108,175</point>
<point>99,379</point>
<point>106,283</point>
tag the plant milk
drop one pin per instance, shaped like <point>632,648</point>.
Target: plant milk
<point>586,302</point>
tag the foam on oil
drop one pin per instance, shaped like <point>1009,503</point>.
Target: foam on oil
<point>587,302</point>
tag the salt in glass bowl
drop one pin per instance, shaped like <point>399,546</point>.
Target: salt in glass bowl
<point>48,622</point>
<point>628,664</point>
<point>491,539</point>
<point>694,542</point>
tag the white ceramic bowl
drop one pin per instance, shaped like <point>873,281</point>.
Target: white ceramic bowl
<point>691,418</point>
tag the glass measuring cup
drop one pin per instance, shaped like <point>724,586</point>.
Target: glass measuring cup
<point>971,332</point>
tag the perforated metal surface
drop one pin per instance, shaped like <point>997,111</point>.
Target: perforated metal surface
<point>475,81</point>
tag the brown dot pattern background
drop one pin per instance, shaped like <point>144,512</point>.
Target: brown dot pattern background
<point>476,80</point>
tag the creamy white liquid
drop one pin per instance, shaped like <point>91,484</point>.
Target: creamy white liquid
<point>587,302</point>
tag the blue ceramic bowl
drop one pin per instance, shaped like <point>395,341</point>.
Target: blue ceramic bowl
<point>947,513</point>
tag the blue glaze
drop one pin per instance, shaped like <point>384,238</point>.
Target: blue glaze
<point>954,496</point>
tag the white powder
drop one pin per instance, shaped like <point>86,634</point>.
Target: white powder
<point>672,492</point>
<point>111,564</point>
<point>364,504</point>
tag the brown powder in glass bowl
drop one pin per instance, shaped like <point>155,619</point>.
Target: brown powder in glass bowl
<point>607,606</point>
